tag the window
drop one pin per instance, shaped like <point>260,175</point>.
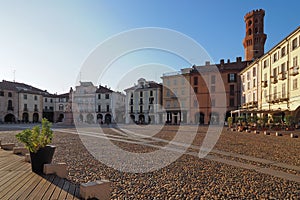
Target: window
<point>232,77</point>
<point>196,90</point>
<point>295,61</point>
<point>265,64</point>
<point>99,108</point>
<point>195,80</point>
<point>131,101</point>
<point>9,94</point>
<point>182,80</point>
<point>254,82</point>
<point>1,93</point>
<point>213,88</point>
<point>231,92</point>
<point>35,98</point>
<point>295,84</point>
<point>283,93</point>
<point>151,100</point>
<point>254,96</point>
<point>141,93</point>
<point>168,93</point>
<point>283,52</point>
<point>46,100</point>
<point>168,104</point>
<point>141,109</point>
<point>275,72</point>
<point>231,102</point>
<point>107,108</point>
<point>275,57</point>
<point>61,107</point>
<point>265,76</point>
<point>151,93</point>
<point>248,76</point>
<point>254,72</point>
<point>248,86</point>
<point>106,96</point>
<point>282,67</point>
<point>46,107</point>
<point>51,100</point>
<point>25,96</point>
<point>9,104</point>
<point>99,96</point>
<point>213,103</point>
<point>141,101</point>
<point>168,82</point>
<point>294,43</point>
<point>213,79</point>
<point>243,79</point>
<point>131,109</point>
<point>131,95</point>
<point>182,92</point>
<point>35,108</point>
<point>265,93</point>
<point>51,107</point>
<point>195,104</point>
<point>25,107</point>
<point>175,81</point>
<point>275,92</point>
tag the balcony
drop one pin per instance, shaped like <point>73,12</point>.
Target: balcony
<point>264,84</point>
<point>282,76</point>
<point>274,79</point>
<point>276,98</point>
<point>10,108</point>
<point>294,71</point>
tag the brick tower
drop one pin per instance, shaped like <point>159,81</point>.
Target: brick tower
<point>255,38</point>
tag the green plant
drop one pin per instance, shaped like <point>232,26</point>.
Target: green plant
<point>289,120</point>
<point>230,121</point>
<point>35,138</point>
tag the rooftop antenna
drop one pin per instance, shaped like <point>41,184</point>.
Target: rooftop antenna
<point>14,75</point>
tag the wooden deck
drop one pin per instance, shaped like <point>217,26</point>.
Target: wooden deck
<point>18,182</point>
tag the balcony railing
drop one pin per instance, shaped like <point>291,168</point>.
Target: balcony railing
<point>282,76</point>
<point>274,79</point>
<point>264,84</point>
<point>277,97</point>
<point>294,71</point>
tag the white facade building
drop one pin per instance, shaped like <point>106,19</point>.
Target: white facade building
<point>143,103</point>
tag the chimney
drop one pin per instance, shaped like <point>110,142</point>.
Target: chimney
<point>238,59</point>
<point>222,61</point>
<point>207,63</point>
<point>228,60</point>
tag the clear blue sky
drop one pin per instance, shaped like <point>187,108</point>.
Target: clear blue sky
<point>46,42</point>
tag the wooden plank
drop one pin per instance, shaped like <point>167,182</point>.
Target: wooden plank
<point>25,186</point>
<point>44,188</point>
<point>16,186</point>
<point>11,184</point>
<point>37,189</point>
<point>64,190</point>
<point>57,190</point>
<point>11,176</point>
<point>51,189</point>
<point>71,192</point>
<point>31,188</point>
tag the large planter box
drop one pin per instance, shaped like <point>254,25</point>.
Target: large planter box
<point>41,157</point>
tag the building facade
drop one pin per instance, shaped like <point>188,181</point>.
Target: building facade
<point>217,91</point>
<point>143,103</point>
<point>176,97</point>
<point>274,90</point>
<point>92,104</point>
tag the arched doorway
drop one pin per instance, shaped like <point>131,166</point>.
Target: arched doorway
<point>9,118</point>
<point>214,118</point>
<point>199,118</point>
<point>108,118</point>
<point>90,118</point>
<point>80,118</point>
<point>132,117</point>
<point>25,117</point>
<point>35,117</point>
<point>60,117</point>
<point>141,119</point>
<point>100,118</point>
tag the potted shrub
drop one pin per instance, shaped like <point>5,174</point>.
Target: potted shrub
<point>37,142</point>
